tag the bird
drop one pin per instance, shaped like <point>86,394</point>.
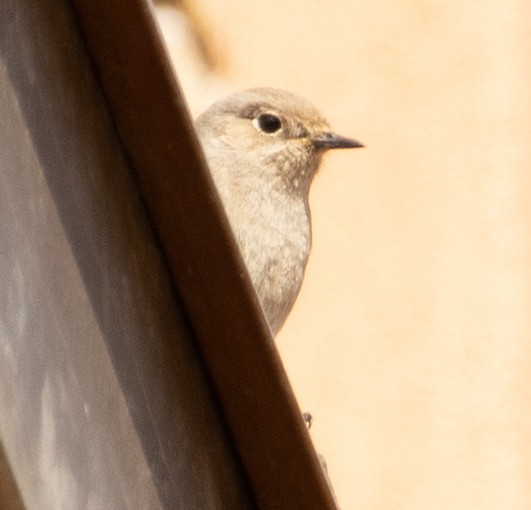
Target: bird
<point>263,147</point>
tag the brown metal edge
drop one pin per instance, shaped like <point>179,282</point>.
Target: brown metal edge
<point>233,337</point>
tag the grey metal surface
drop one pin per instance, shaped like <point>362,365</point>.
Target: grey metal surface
<point>103,400</point>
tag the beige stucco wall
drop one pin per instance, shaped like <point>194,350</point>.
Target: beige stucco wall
<point>410,342</point>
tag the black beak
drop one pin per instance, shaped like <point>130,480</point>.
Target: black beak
<point>333,141</point>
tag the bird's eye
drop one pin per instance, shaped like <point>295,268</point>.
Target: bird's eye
<point>268,123</point>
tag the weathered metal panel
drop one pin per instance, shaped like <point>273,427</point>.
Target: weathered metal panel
<point>103,398</point>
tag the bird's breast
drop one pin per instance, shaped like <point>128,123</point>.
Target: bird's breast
<point>274,235</point>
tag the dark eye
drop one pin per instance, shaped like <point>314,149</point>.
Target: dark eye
<point>268,123</point>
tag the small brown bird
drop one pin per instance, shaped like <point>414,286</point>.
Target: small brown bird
<point>264,147</point>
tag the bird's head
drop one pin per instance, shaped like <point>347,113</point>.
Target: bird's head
<point>270,131</point>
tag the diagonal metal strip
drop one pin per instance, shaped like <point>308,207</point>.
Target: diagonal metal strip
<point>158,136</point>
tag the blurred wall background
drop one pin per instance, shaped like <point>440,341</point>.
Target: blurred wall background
<point>410,342</point>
